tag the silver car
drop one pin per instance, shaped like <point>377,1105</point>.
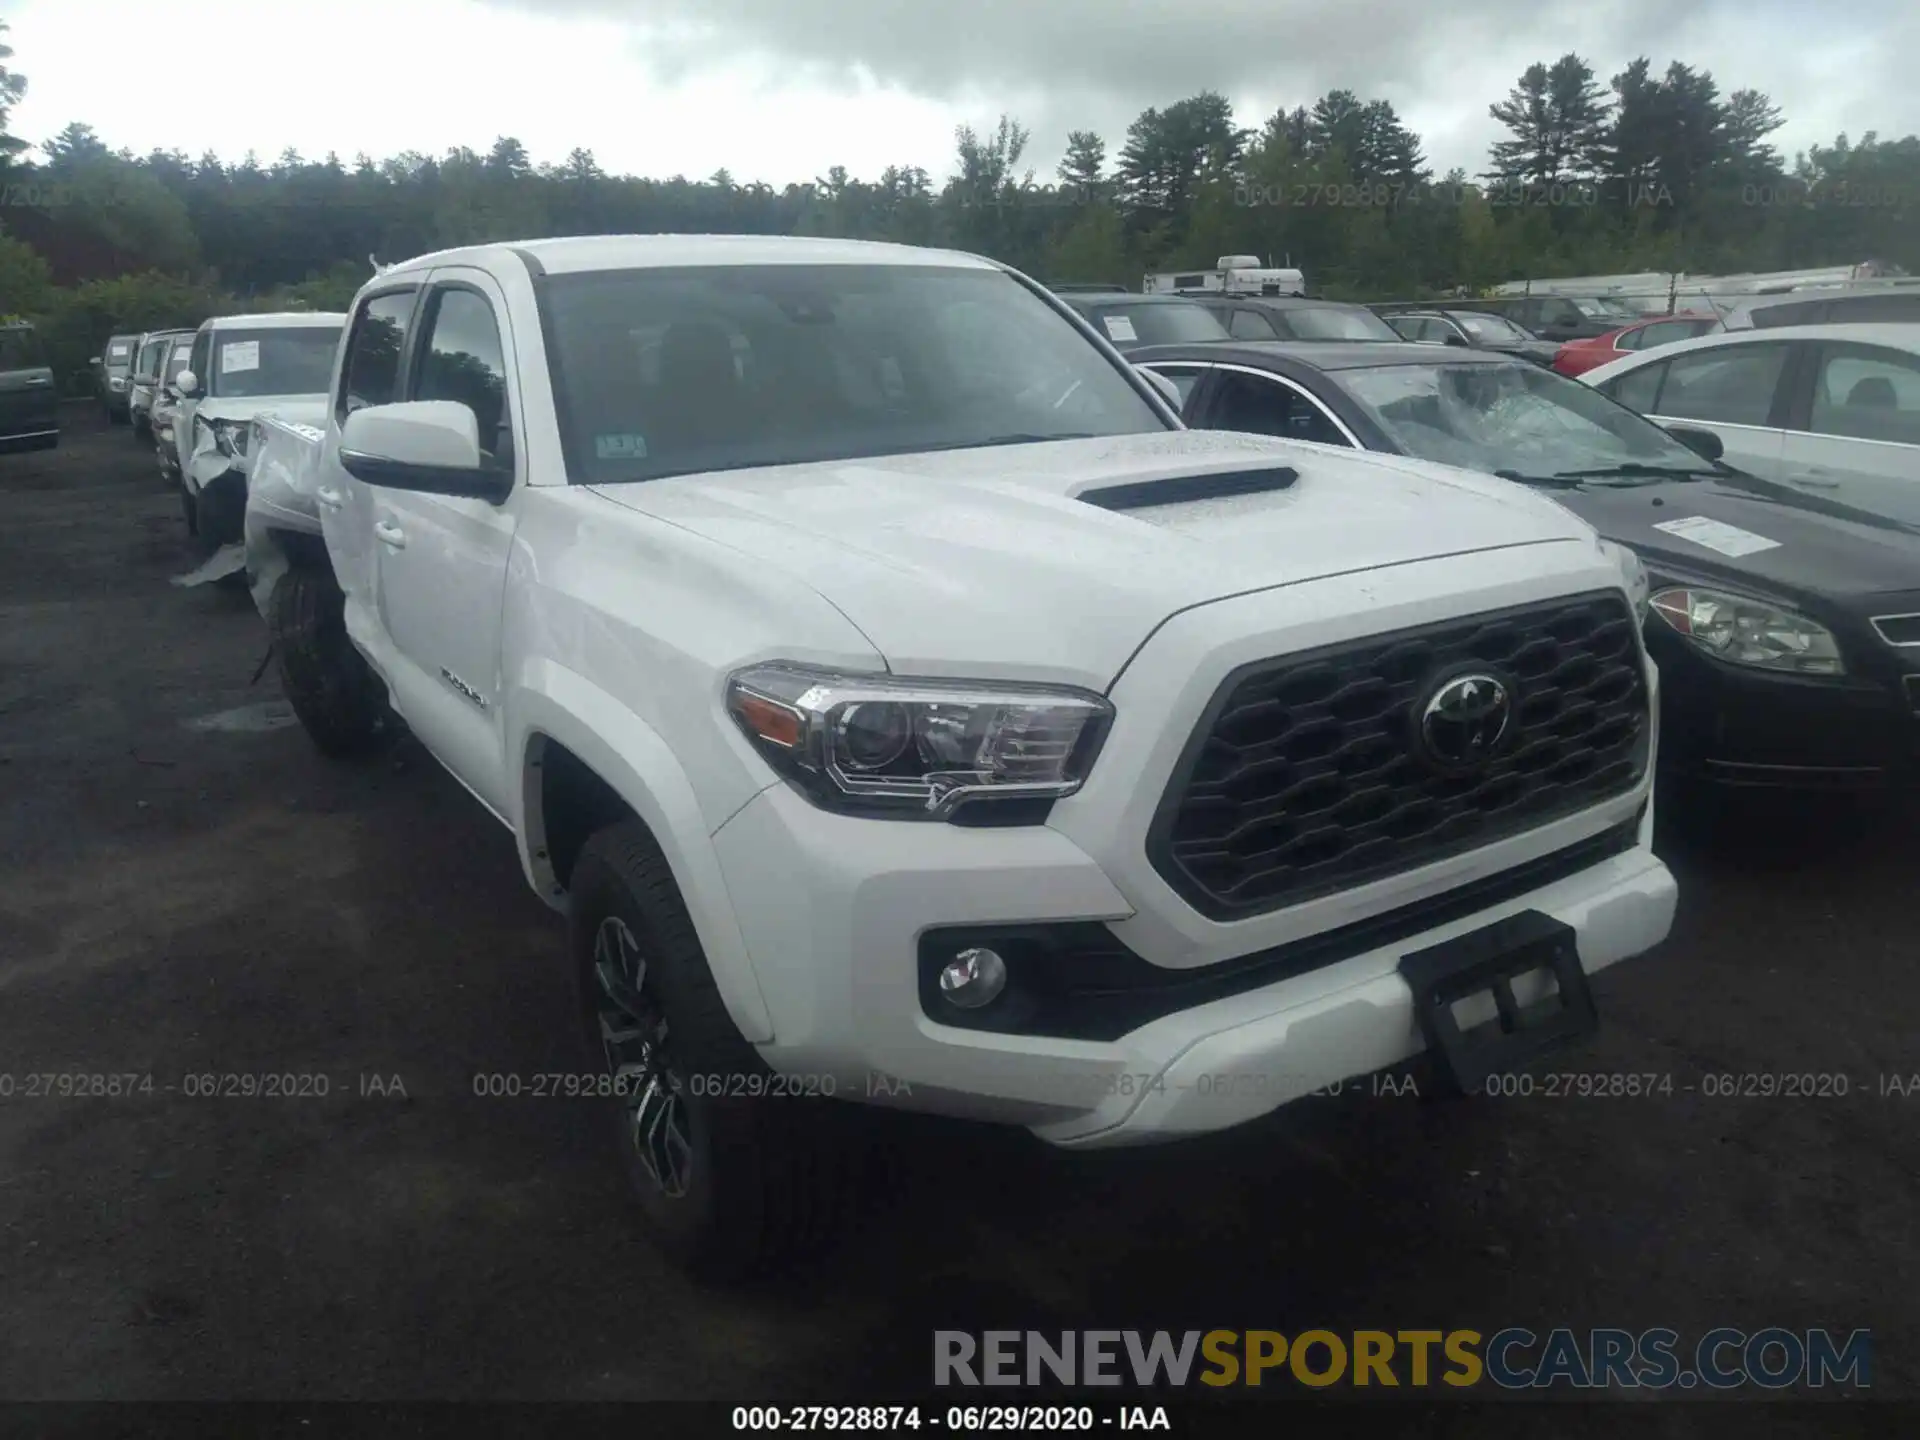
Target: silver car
<point>1833,410</point>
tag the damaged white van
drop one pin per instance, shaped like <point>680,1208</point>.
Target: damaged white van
<point>242,367</point>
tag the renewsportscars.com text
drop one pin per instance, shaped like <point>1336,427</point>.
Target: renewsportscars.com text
<point>1512,1359</point>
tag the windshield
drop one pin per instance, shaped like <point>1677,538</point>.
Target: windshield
<point>673,371</point>
<point>1516,417</point>
<point>177,358</point>
<point>1329,323</point>
<point>1488,327</point>
<point>119,352</point>
<point>294,361</point>
<point>20,349</point>
<point>1172,324</point>
<point>149,362</point>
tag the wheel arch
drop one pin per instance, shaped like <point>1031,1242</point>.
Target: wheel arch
<point>586,761</point>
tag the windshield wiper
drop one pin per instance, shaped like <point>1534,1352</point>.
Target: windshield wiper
<point>1635,470</point>
<point>1558,482</point>
<point>1013,439</point>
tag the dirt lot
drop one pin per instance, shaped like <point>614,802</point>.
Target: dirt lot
<point>179,901</point>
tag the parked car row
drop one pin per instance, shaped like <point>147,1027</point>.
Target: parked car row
<point>902,705</point>
<point>194,395</point>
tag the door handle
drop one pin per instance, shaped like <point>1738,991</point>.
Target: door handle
<point>329,497</point>
<point>38,380</point>
<point>390,534</point>
<point>1818,479</point>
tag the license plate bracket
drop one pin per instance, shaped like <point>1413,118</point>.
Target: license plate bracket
<point>1487,961</point>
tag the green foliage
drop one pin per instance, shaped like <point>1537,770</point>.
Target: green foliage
<point>26,284</point>
<point>74,322</point>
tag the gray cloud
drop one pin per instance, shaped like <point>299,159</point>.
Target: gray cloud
<point>1060,64</point>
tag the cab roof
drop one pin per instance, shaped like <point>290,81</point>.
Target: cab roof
<point>284,320</point>
<point>581,253</point>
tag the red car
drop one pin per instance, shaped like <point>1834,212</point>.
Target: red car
<point>1576,357</point>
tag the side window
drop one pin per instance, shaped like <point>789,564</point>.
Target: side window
<point>202,353</point>
<point>464,360</point>
<point>1666,332</point>
<point>1733,384</point>
<point>1867,309</point>
<point>1638,389</point>
<point>1805,312</point>
<point>371,375</point>
<point>1256,405</point>
<point>1409,326</point>
<point>1184,378</point>
<point>1866,395</point>
<point>1634,339</point>
<point>1251,325</point>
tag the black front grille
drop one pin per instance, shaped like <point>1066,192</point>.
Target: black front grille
<point>1307,774</point>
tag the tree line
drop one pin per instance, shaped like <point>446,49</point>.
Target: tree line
<point>1648,171</point>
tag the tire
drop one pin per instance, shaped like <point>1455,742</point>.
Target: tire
<point>337,697</point>
<point>766,1180</point>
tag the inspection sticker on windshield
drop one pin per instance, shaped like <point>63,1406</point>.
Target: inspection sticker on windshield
<point>1727,539</point>
<point>1120,327</point>
<point>240,355</point>
<point>620,447</point>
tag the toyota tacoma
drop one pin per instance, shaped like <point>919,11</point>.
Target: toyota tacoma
<point>901,706</point>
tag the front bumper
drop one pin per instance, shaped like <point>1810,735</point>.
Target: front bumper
<point>836,912</point>
<point>832,910</point>
<point>1740,727</point>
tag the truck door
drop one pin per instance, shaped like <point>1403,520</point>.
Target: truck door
<point>440,561</point>
<point>369,374</point>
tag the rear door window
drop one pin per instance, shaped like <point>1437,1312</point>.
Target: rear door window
<point>1730,384</point>
<point>1866,394</point>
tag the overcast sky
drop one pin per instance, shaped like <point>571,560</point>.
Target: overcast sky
<point>778,90</point>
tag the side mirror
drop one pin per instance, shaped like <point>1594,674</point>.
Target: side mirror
<point>426,445</point>
<point>186,382</point>
<point>1169,391</point>
<point>1704,443</point>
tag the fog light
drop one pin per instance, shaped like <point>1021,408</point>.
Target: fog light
<point>973,978</point>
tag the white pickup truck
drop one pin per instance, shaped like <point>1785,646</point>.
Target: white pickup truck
<point>902,707</point>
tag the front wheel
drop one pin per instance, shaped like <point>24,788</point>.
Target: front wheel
<point>336,696</point>
<point>730,1179</point>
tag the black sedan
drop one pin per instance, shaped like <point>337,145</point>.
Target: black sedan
<point>1130,321</point>
<point>1470,330</point>
<point>1786,627</point>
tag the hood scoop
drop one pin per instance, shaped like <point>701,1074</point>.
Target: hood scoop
<point>1182,489</point>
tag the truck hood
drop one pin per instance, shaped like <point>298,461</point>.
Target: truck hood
<point>984,562</point>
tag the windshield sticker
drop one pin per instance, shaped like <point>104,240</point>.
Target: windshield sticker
<point>1120,328</point>
<point>240,355</point>
<point>620,447</point>
<point>1712,535</point>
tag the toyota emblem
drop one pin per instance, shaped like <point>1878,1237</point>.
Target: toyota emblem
<point>1464,720</point>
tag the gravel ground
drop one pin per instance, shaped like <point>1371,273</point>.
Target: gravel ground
<point>179,900</point>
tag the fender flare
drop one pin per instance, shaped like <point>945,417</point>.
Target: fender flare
<point>554,703</point>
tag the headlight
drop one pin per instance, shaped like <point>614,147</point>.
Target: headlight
<point>116,382</point>
<point>230,437</point>
<point>1632,571</point>
<point>916,749</point>
<point>1749,632</point>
